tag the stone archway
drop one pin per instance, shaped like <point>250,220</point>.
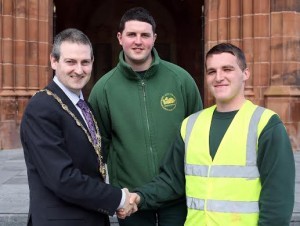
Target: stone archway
<point>179,29</point>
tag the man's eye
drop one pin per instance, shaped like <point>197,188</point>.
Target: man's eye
<point>86,63</point>
<point>146,35</point>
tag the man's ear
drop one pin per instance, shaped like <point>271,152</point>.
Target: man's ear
<point>53,62</point>
<point>246,74</point>
<point>119,37</point>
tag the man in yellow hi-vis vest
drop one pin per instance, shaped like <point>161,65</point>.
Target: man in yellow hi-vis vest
<point>233,161</point>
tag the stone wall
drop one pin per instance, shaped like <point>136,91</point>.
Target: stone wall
<point>25,39</point>
<point>268,32</point>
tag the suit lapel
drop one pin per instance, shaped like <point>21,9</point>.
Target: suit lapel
<point>65,99</point>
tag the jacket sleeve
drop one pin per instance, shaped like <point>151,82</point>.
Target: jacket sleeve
<point>277,171</point>
<point>48,157</point>
<point>169,185</point>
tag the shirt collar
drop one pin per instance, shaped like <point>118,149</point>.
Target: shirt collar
<point>72,96</point>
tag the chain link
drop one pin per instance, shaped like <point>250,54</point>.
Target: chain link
<point>96,146</point>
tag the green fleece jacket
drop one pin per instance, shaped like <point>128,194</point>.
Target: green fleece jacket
<point>275,163</point>
<point>139,117</point>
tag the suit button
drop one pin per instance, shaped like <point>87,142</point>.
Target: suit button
<point>100,210</point>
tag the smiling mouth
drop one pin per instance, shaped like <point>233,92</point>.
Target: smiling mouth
<point>219,86</point>
<point>76,76</point>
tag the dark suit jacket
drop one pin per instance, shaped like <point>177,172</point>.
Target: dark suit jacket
<point>66,188</point>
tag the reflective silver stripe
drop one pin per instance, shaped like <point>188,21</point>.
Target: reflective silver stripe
<point>196,170</point>
<point>223,206</point>
<point>189,126</point>
<point>232,206</point>
<point>193,203</point>
<point>251,156</point>
<point>249,172</point>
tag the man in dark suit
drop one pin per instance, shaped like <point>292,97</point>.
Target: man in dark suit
<point>62,145</point>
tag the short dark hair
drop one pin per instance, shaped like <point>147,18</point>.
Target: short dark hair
<point>229,48</point>
<point>69,35</point>
<point>138,14</point>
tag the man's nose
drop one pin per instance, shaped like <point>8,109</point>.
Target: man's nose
<point>78,69</point>
<point>138,39</point>
<point>219,76</point>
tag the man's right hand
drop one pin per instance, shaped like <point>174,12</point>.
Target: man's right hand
<point>130,206</point>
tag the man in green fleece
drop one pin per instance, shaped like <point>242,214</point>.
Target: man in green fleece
<point>233,161</point>
<point>139,106</point>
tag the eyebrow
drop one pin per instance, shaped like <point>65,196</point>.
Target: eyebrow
<point>228,66</point>
<point>224,66</point>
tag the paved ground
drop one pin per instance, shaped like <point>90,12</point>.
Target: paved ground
<point>14,189</point>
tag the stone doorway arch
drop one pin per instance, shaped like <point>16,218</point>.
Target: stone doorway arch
<point>180,26</point>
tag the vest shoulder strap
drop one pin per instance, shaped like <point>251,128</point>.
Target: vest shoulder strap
<point>190,124</point>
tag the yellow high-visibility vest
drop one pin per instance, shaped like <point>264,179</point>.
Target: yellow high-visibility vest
<point>225,190</point>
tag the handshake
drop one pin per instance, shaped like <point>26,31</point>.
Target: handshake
<point>130,205</point>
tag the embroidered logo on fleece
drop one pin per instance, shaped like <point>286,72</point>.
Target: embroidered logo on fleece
<point>168,102</point>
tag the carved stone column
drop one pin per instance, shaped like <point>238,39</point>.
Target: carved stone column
<point>26,31</point>
<point>283,94</point>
